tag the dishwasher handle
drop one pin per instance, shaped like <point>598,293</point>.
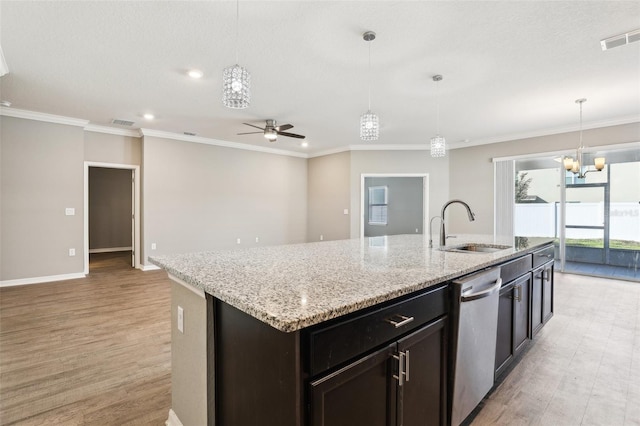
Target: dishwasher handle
<point>467,297</point>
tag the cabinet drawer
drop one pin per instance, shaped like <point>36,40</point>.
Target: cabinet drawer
<point>333,345</point>
<point>513,269</point>
<point>543,256</point>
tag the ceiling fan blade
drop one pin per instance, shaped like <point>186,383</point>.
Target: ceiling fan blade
<point>249,133</point>
<point>291,135</point>
<point>284,127</point>
<point>261,128</point>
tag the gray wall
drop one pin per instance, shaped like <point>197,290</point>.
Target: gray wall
<point>42,174</point>
<point>471,169</point>
<point>189,356</point>
<point>328,193</point>
<point>110,208</point>
<point>202,197</point>
<point>405,208</point>
<point>108,148</point>
<point>398,162</point>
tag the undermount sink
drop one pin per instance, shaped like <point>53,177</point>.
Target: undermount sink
<point>477,248</point>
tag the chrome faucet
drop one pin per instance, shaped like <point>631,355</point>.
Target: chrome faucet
<point>443,235</point>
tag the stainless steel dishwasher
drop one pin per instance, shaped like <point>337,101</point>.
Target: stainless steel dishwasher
<point>474,329</point>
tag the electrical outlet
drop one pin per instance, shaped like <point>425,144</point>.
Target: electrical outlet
<point>180,319</point>
<point>416,230</point>
<point>346,211</point>
<point>238,241</point>
<point>257,240</point>
<point>70,211</point>
<point>72,252</point>
<point>321,237</point>
<point>153,246</point>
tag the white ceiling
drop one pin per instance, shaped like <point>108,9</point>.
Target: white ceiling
<point>511,68</point>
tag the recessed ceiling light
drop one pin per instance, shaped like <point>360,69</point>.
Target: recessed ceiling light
<point>149,116</point>
<point>195,74</point>
<point>304,144</point>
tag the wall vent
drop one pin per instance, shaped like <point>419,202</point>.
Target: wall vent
<point>620,40</point>
<point>122,122</point>
<point>189,133</point>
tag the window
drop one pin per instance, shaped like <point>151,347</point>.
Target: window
<point>378,203</point>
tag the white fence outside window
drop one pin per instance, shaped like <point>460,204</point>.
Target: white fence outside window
<point>543,220</point>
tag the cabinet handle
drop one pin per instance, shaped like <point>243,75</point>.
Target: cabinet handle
<point>406,364</point>
<point>399,320</point>
<point>546,275</point>
<point>401,357</point>
<point>519,293</point>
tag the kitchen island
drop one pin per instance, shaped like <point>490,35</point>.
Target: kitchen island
<point>275,327</point>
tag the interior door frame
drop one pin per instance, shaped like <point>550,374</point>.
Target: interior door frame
<point>425,195</point>
<point>136,208</point>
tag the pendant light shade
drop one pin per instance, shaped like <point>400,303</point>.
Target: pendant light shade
<point>369,123</point>
<point>237,87</point>
<point>236,80</point>
<point>438,146</point>
<point>438,142</point>
<point>369,127</point>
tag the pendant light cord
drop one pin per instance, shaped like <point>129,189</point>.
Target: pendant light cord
<point>580,125</point>
<point>369,42</point>
<point>437,109</point>
<point>237,27</point>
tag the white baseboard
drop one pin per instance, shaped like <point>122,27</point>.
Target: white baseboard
<point>39,280</point>
<point>173,419</point>
<point>146,268</point>
<point>110,249</point>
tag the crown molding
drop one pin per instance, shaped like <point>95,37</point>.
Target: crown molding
<point>547,132</point>
<point>134,133</point>
<point>41,116</point>
<point>217,142</point>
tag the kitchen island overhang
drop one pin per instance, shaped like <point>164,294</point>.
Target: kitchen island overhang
<point>276,296</point>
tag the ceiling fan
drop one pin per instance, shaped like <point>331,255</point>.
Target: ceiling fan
<point>272,130</point>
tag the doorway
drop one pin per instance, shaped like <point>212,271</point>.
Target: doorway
<point>111,219</point>
<point>393,204</point>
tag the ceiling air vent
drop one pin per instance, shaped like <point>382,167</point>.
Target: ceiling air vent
<point>122,122</point>
<point>189,133</point>
<point>620,40</point>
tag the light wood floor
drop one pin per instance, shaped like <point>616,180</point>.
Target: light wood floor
<point>97,351</point>
<point>88,351</point>
<point>584,366</point>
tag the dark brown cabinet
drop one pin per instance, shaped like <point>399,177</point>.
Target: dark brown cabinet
<point>541,297</point>
<point>513,321</point>
<point>401,384</point>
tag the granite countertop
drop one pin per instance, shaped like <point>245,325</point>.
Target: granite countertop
<point>294,286</point>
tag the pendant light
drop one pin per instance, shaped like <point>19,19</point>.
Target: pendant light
<point>236,90</point>
<point>438,143</point>
<point>576,165</point>
<point>369,124</point>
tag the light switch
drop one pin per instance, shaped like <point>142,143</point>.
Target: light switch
<point>70,211</point>
<point>72,252</point>
<point>346,211</point>
<point>153,246</point>
<point>180,319</point>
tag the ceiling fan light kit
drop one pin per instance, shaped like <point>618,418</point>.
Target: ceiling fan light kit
<point>369,123</point>
<point>236,80</point>
<point>576,165</point>
<point>271,130</point>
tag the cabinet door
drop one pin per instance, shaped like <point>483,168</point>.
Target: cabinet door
<point>536,300</point>
<point>547,292</point>
<point>521,312</point>
<point>421,398</point>
<point>504,339</point>
<point>362,393</point>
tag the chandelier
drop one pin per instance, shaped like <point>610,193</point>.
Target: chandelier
<point>576,166</point>
<point>369,123</point>
<point>438,143</point>
<point>236,80</point>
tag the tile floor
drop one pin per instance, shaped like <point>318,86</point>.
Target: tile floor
<point>583,367</point>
